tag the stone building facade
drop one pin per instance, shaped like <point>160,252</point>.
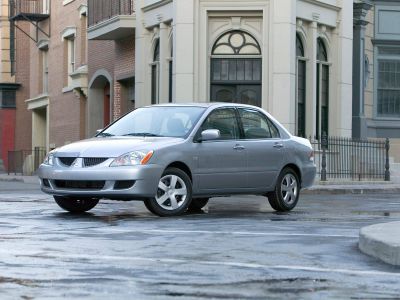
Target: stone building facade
<point>291,57</point>
<point>376,84</point>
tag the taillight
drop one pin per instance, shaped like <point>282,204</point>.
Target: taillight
<point>311,156</point>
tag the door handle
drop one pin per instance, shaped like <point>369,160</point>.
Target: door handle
<point>239,147</point>
<point>278,145</point>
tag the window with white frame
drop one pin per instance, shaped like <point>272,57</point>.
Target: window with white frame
<point>388,82</point>
<point>69,58</point>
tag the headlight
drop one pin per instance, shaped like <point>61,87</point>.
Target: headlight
<point>49,159</point>
<point>132,159</point>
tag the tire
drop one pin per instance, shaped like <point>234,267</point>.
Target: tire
<point>197,204</point>
<point>287,191</point>
<point>174,194</point>
<point>75,205</point>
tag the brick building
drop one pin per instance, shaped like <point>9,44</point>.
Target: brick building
<point>8,88</point>
<point>111,61</point>
<point>51,69</point>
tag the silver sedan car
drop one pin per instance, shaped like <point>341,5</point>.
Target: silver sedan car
<point>175,157</point>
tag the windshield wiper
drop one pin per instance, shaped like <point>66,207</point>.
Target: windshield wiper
<point>145,134</point>
<point>104,134</point>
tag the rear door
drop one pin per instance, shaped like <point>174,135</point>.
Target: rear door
<point>264,148</point>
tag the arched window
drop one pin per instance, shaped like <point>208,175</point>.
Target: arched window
<point>155,67</point>
<point>236,69</point>
<point>322,108</point>
<point>301,88</point>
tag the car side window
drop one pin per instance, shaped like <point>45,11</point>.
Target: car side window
<point>223,119</point>
<point>256,125</point>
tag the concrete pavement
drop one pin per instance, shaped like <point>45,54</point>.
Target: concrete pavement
<point>381,241</point>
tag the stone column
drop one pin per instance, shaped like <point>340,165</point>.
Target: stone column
<point>311,81</point>
<point>283,33</point>
<point>141,62</point>
<point>183,32</point>
<point>164,55</point>
<point>359,123</point>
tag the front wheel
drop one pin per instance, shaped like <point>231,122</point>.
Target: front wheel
<point>75,205</point>
<point>174,194</point>
<point>287,191</point>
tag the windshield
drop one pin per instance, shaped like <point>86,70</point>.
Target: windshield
<point>156,121</point>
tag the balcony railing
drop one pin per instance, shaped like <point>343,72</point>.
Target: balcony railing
<point>102,10</point>
<point>28,9</point>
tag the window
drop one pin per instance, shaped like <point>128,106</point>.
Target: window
<point>155,73</point>
<point>45,71</point>
<point>223,120</point>
<point>7,99</point>
<point>388,91</point>
<point>69,57</point>
<point>322,108</point>
<point>236,69</point>
<point>301,88</point>
<point>256,125</point>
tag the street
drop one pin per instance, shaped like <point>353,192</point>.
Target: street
<point>237,248</point>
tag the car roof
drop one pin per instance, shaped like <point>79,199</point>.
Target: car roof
<point>204,104</point>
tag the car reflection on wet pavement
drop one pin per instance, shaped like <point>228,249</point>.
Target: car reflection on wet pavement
<point>234,249</point>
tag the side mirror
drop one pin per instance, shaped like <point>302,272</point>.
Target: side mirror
<point>210,135</point>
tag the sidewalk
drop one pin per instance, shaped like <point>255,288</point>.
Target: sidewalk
<point>19,178</point>
<point>382,241</point>
<point>328,187</point>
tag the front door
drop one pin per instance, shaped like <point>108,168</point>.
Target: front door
<point>222,162</point>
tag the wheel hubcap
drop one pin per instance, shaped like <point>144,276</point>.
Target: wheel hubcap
<point>171,193</point>
<point>289,188</point>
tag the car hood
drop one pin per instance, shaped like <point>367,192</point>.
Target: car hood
<point>114,146</point>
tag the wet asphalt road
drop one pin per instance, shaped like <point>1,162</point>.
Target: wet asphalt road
<point>238,248</point>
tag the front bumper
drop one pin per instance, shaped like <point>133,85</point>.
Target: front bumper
<point>145,177</point>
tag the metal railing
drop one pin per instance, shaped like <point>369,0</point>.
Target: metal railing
<point>25,162</point>
<point>33,7</point>
<point>347,158</point>
<point>101,10</point>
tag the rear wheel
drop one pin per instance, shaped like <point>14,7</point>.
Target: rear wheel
<point>197,204</point>
<point>76,205</point>
<point>174,194</point>
<point>287,191</point>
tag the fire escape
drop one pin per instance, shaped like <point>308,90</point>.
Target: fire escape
<point>32,11</point>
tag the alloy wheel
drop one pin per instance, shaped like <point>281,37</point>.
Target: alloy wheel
<point>289,188</point>
<point>171,192</point>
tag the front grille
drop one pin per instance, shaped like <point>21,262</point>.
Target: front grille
<point>67,161</point>
<point>80,184</point>
<point>93,161</point>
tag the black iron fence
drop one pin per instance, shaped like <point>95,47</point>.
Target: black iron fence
<point>101,10</point>
<point>25,162</point>
<point>347,158</point>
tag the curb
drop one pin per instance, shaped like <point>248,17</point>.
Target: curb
<point>381,241</point>
<point>351,190</point>
<point>22,179</point>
